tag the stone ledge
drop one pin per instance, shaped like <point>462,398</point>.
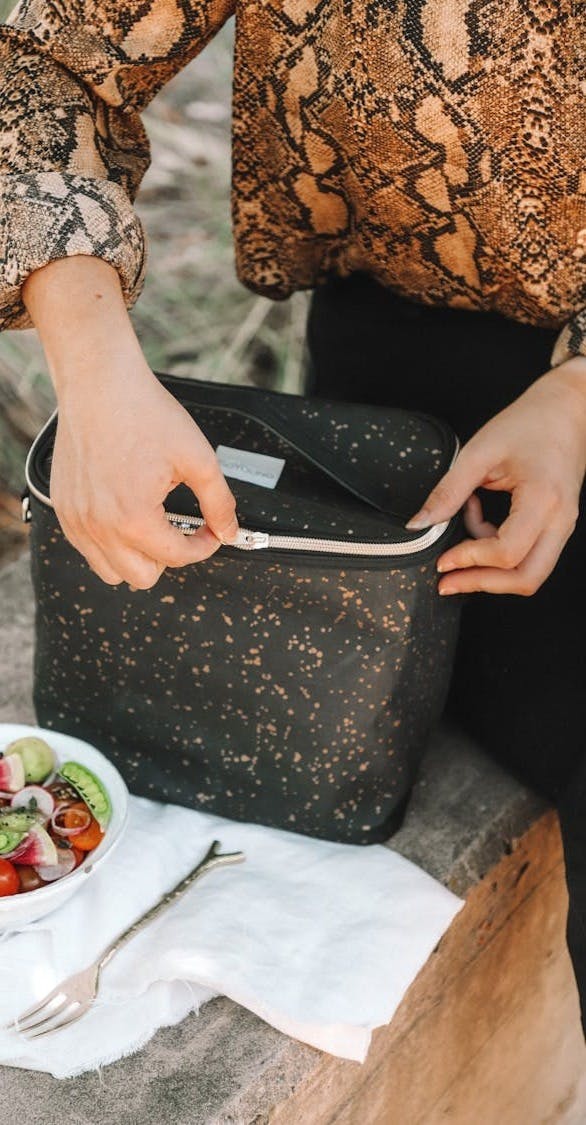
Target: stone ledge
<point>470,825</point>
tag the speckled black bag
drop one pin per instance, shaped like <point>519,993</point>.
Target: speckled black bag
<point>292,680</point>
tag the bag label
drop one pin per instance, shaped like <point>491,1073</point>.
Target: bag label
<point>254,468</point>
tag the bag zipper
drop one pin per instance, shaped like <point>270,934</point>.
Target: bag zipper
<point>250,540</point>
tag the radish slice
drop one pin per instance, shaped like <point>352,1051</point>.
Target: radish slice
<point>84,816</point>
<point>44,800</point>
<point>37,757</point>
<point>64,866</point>
<point>40,849</point>
<point>19,850</point>
<point>11,773</point>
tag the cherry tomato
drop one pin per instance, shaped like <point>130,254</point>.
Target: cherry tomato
<point>78,855</point>
<point>87,840</point>
<point>9,882</point>
<point>29,880</point>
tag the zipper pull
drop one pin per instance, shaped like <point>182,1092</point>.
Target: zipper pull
<point>251,540</point>
<point>246,539</point>
<point>25,509</point>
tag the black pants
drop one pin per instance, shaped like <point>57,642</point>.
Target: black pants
<point>520,676</point>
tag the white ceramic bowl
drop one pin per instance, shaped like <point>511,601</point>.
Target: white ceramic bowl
<point>18,910</point>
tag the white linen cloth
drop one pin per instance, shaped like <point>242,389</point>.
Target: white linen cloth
<point>320,939</point>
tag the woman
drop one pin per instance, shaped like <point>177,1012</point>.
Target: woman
<point>422,166</point>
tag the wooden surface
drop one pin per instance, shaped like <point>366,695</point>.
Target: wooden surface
<point>489,1031</point>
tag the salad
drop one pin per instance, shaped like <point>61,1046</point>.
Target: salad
<point>51,815</point>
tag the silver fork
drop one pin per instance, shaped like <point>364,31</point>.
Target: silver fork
<point>73,996</point>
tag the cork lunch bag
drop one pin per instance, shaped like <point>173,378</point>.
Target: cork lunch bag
<point>292,679</point>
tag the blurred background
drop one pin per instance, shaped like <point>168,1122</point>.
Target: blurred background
<point>194,318</point>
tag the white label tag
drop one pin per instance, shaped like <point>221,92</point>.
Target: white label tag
<point>254,468</point>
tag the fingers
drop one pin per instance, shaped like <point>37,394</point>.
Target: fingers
<point>531,451</point>
<point>157,538</point>
<point>141,560</point>
<point>136,549</point>
<point>112,561</point>
<point>98,562</point>
<point>509,544</point>
<point>94,557</point>
<point>137,569</point>
<point>523,580</point>
<point>206,480</point>
<point>474,520</point>
<point>455,488</point>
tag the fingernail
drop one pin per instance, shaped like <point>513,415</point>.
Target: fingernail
<point>420,520</point>
<point>447,591</point>
<point>442,567</point>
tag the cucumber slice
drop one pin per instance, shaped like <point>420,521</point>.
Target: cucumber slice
<point>36,755</point>
<point>90,789</point>
<point>18,820</point>
<point>10,840</point>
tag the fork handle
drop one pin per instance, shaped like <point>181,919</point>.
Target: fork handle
<point>211,859</point>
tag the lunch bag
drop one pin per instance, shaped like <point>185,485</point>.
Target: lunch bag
<point>292,679</point>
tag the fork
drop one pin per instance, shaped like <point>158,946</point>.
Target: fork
<point>70,999</point>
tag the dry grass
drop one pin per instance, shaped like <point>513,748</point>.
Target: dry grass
<point>194,318</point>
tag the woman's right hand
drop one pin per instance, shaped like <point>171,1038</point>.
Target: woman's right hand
<point>118,453</point>
<point>123,442</point>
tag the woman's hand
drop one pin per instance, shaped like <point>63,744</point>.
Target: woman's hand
<point>536,451</point>
<point>117,456</point>
<point>123,442</point>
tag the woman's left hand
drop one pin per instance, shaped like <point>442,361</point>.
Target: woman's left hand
<point>536,451</point>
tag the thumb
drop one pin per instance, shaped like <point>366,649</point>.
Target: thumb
<point>454,489</point>
<point>217,503</point>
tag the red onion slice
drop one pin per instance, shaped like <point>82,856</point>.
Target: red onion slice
<point>61,830</point>
<point>45,801</point>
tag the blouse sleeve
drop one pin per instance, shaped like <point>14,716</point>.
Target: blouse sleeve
<point>74,78</point>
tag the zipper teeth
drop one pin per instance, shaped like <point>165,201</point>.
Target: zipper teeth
<point>249,540</point>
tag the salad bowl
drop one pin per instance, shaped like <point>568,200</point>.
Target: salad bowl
<point>17,910</point>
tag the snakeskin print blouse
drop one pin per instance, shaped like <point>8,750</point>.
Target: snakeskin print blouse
<point>439,145</point>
